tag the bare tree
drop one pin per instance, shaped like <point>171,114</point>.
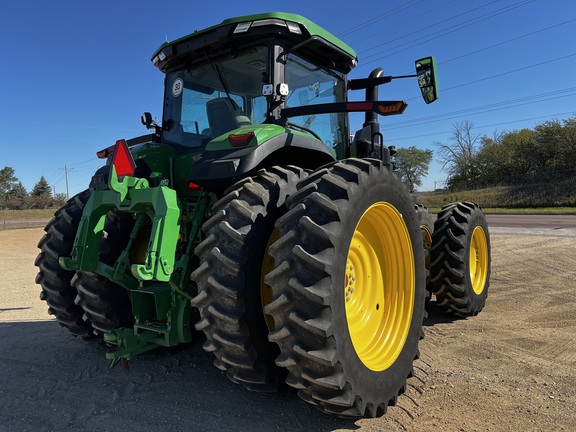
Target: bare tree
<point>460,156</point>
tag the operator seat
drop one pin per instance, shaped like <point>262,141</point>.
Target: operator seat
<point>225,115</point>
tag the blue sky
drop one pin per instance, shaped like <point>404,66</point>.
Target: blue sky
<point>76,76</point>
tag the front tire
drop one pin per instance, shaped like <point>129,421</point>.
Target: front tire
<point>349,275</point>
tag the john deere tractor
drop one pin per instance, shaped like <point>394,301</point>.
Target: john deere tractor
<point>250,214</point>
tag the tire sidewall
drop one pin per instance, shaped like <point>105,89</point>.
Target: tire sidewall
<point>257,242</point>
<point>371,384</point>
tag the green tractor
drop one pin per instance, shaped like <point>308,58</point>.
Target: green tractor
<point>251,214</point>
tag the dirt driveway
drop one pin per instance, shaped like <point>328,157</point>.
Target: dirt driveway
<point>511,368</point>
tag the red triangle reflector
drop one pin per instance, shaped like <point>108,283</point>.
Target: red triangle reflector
<point>123,160</point>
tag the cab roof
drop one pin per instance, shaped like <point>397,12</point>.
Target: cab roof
<point>319,43</point>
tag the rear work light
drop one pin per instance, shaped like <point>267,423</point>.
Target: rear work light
<point>241,140</point>
<point>123,160</point>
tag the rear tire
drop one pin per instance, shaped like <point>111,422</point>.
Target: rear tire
<point>461,259</point>
<point>57,290</point>
<point>106,304</point>
<point>230,278</point>
<point>349,257</point>
<point>86,304</point>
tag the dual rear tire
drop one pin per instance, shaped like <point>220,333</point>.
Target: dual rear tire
<point>345,272</point>
<point>322,280</point>
<point>86,304</point>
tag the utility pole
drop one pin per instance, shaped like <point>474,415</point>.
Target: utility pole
<point>66,169</point>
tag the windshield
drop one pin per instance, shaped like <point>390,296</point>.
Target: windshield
<point>197,108</point>
<point>310,85</point>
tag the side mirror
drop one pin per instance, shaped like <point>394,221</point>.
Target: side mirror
<point>426,72</point>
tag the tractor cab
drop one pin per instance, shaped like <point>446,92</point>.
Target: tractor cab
<point>268,89</point>
<point>244,71</point>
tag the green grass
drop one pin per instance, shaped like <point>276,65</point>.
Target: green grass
<point>544,198</point>
<point>26,215</point>
<point>543,210</point>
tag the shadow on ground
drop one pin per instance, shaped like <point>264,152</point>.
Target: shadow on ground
<point>50,380</point>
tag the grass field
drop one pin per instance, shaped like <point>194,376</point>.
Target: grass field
<point>26,215</point>
<point>543,210</point>
<point>543,198</point>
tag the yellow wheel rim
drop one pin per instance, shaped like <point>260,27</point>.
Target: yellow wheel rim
<point>427,246</point>
<point>266,290</point>
<point>478,260</point>
<point>379,286</point>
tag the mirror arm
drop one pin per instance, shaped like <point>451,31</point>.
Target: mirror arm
<point>405,76</point>
<point>363,83</point>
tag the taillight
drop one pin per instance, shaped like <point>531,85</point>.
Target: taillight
<point>122,160</point>
<point>241,140</point>
<point>194,187</point>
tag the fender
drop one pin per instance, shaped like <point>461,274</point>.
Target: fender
<point>215,170</point>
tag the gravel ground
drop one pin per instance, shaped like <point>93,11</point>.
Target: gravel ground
<point>511,368</point>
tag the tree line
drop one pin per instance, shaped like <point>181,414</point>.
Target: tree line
<point>471,160</point>
<point>507,158</point>
<point>14,196</point>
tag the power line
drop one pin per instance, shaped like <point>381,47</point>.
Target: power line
<point>91,160</point>
<point>89,168</point>
<point>380,17</point>
<point>469,110</point>
<point>512,103</point>
<point>507,41</point>
<point>509,72</point>
<point>402,23</point>
<point>484,126</point>
<point>502,74</point>
<point>54,175</point>
<point>428,27</point>
<point>452,29</point>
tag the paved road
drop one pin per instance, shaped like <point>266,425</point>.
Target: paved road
<point>532,221</point>
<point>33,223</point>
